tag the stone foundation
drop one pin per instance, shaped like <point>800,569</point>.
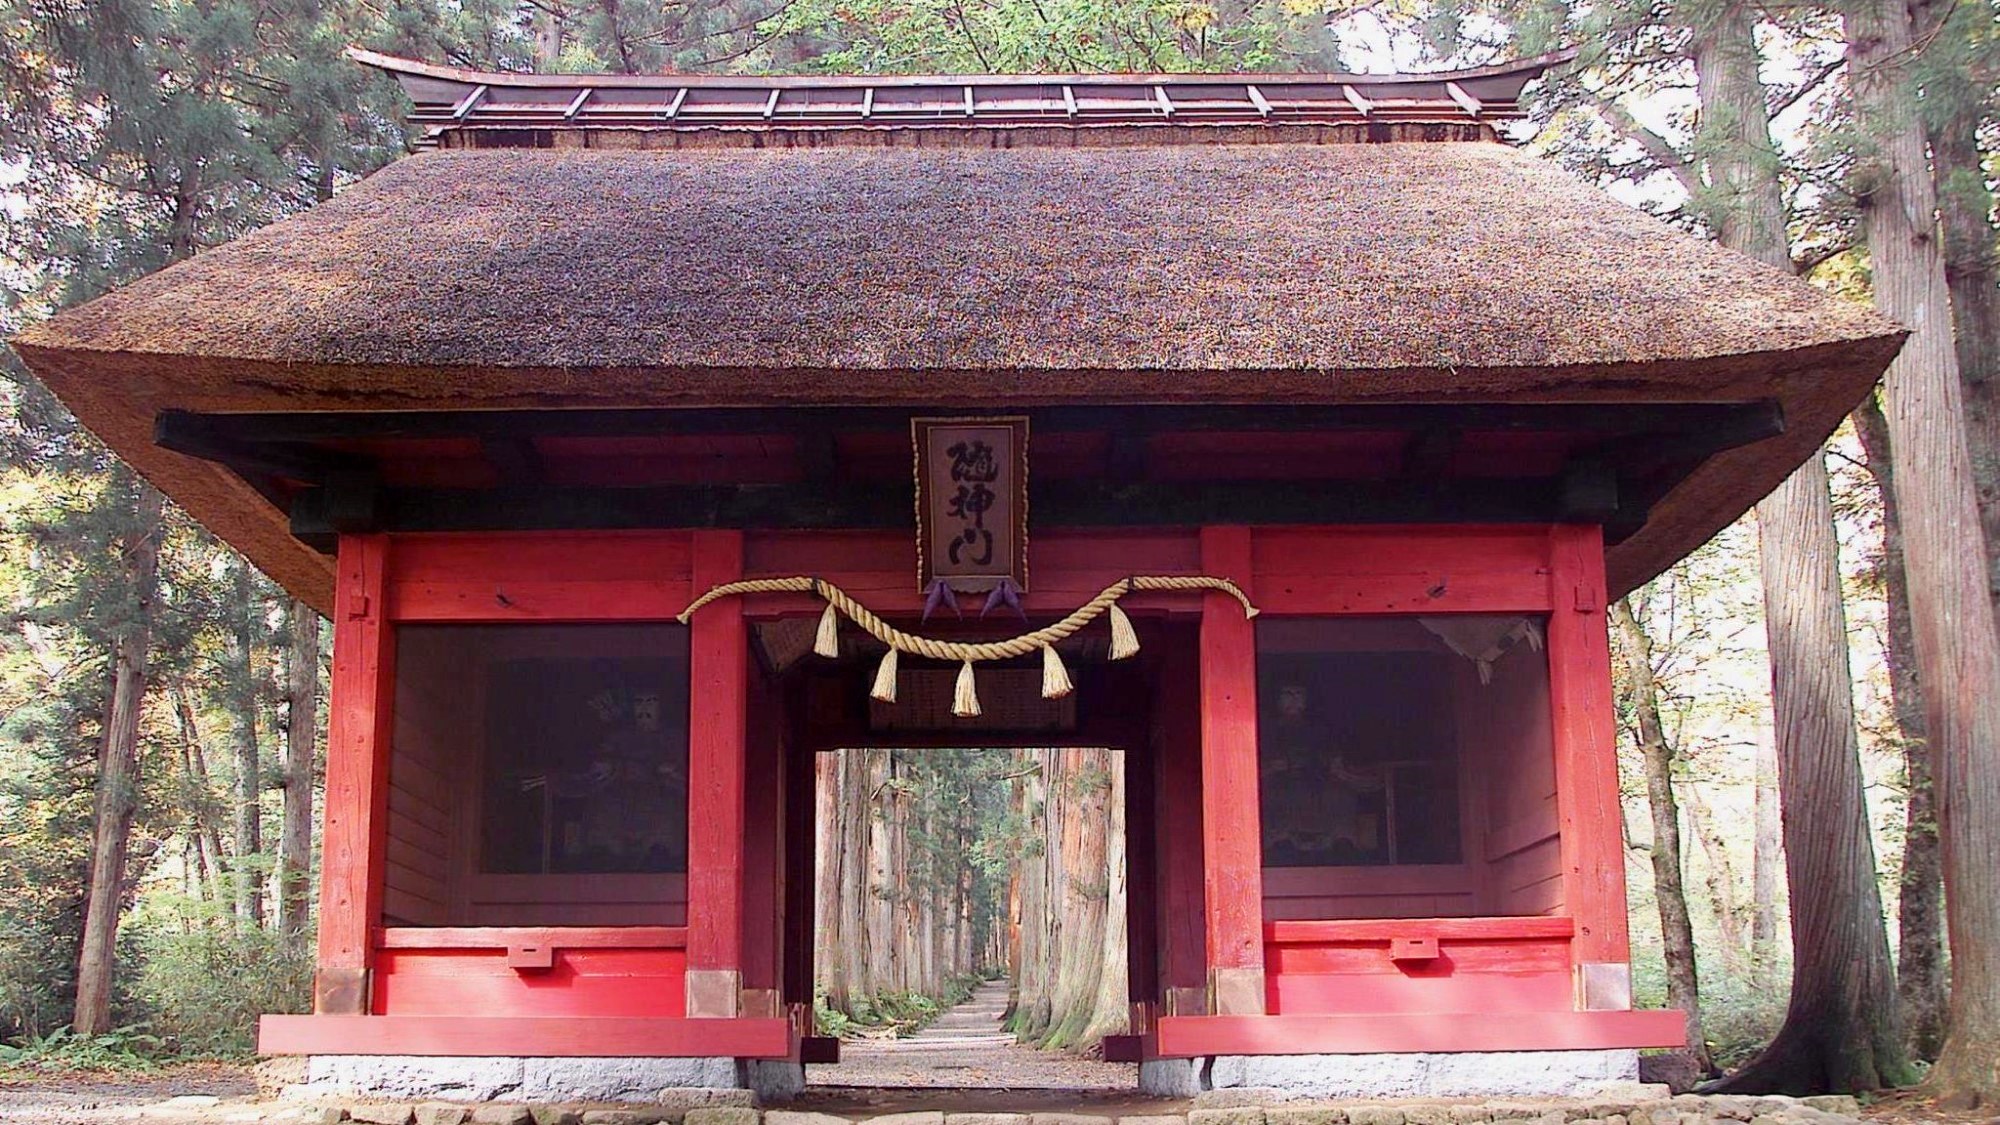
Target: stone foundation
<point>1460,1074</point>
<point>500,1078</point>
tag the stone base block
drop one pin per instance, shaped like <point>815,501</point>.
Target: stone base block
<point>1458,1074</point>
<point>490,1078</point>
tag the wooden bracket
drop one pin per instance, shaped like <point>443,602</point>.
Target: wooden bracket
<point>539,958</point>
<point>1404,949</point>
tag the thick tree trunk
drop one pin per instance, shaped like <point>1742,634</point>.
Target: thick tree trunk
<point>1676,932</point>
<point>1766,859</point>
<point>1951,611</point>
<point>301,731</point>
<point>249,827</point>
<point>117,791</point>
<point>1957,105</point>
<point>1840,1031</point>
<point>829,873</point>
<point>1920,970</point>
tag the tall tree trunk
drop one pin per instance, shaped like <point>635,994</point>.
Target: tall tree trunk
<point>1676,933</point>
<point>301,730</point>
<point>1920,970</point>
<point>117,791</point>
<point>1766,858</point>
<point>1951,611</point>
<point>249,828</point>
<point>1957,104</point>
<point>195,782</point>
<point>829,873</point>
<point>1840,1030</point>
<point>1721,879</point>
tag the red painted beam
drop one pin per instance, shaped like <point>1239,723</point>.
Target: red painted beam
<point>1194,1036</point>
<point>1587,808</point>
<point>718,725</point>
<point>1232,836</point>
<point>359,728</point>
<point>572,1037</point>
<point>1383,929</point>
<point>549,937</point>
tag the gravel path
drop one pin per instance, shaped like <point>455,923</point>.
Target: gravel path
<point>966,1047</point>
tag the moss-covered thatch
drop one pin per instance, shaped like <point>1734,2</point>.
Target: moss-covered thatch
<point>1145,273</point>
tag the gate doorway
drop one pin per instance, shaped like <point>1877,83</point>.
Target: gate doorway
<point>1008,861</point>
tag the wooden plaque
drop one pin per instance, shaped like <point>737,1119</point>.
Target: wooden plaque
<point>972,501</point>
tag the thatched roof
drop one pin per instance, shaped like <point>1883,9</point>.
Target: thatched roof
<point>1048,274</point>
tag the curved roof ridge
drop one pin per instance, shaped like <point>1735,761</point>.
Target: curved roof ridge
<point>1526,68</point>
<point>500,105</point>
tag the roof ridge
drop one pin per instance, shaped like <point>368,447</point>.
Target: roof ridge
<point>452,99</point>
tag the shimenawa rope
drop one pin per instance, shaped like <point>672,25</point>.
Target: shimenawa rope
<point>965,701</point>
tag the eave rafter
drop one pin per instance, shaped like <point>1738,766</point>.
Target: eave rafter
<point>450,98</point>
<point>1626,458</point>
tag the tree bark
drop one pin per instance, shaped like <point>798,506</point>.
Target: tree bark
<point>1920,969</point>
<point>249,826</point>
<point>1676,932</point>
<point>1951,610</point>
<point>1766,859</point>
<point>1840,1031</point>
<point>301,730</point>
<point>117,790</point>
<point>1721,880</point>
<point>1957,104</point>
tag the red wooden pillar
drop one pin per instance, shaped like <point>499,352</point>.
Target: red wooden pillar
<point>1231,827</point>
<point>1592,843</point>
<point>359,728</point>
<point>717,724</point>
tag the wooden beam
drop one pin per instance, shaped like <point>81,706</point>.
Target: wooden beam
<point>1257,99</point>
<point>719,657</point>
<point>1466,102</point>
<point>1069,100</point>
<point>1586,760</point>
<point>1231,834</point>
<point>1361,104</point>
<point>1415,1032</point>
<point>547,1037</point>
<point>576,105</point>
<point>1699,423</point>
<point>674,107</point>
<point>1068,503</point>
<point>359,725</point>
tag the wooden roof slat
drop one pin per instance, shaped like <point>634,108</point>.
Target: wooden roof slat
<point>576,105</point>
<point>674,107</point>
<point>1257,99</point>
<point>1471,104</point>
<point>465,105</point>
<point>771,104</point>
<point>1361,104</point>
<point>868,102</point>
<point>1166,103</point>
<point>1069,99</point>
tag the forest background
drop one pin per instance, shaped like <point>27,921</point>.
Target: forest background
<point>159,705</point>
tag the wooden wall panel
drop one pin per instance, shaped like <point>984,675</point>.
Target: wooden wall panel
<point>581,982</point>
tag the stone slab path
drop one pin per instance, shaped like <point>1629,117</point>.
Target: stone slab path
<point>964,1047</point>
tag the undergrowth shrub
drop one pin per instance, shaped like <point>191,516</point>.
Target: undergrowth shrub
<point>203,986</point>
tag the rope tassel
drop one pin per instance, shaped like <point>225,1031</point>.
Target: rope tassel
<point>1124,639</point>
<point>965,700</point>
<point>885,679</point>
<point>827,642</point>
<point>1055,677</point>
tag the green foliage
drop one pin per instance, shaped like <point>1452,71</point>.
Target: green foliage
<point>204,985</point>
<point>62,1051</point>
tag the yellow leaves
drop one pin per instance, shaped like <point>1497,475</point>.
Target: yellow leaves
<point>1196,17</point>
